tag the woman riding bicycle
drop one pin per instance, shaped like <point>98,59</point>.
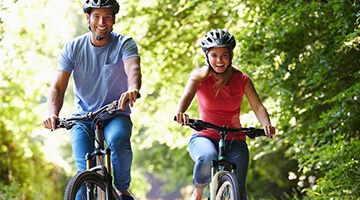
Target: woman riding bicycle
<point>220,89</point>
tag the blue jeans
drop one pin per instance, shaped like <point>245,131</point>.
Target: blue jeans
<point>117,133</point>
<point>202,150</point>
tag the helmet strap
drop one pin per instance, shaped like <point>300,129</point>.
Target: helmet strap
<point>97,37</point>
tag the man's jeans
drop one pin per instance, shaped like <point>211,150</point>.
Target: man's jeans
<point>202,150</point>
<point>117,133</point>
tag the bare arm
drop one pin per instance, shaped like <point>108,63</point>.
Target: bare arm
<point>258,108</point>
<point>133,71</point>
<point>185,101</point>
<point>56,98</point>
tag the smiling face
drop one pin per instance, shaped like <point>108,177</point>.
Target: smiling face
<point>101,22</point>
<point>219,59</point>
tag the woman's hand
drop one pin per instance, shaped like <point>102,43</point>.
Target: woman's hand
<point>269,130</point>
<point>182,118</point>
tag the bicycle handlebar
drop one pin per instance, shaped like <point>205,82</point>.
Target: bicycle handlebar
<point>109,109</point>
<point>200,125</point>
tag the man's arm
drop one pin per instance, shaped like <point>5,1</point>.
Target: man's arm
<point>133,71</point>
<point>56,98</point>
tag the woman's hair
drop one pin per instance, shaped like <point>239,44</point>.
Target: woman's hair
<point>201,74</point>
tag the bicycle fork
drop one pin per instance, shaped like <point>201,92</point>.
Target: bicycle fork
<point>100,153</point>
<point>220,167</point>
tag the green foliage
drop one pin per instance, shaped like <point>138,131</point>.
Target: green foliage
<point>301,54</point>
<point>25,51</point>
<point>310,50</point>
<point>303,57</point>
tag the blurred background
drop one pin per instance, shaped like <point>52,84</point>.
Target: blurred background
<point>302,55</point>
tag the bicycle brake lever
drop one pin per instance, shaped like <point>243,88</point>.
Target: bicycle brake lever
<point>197,125</point>
<point>112,108</point>
<point>253,133</point>
<point>62,123</point>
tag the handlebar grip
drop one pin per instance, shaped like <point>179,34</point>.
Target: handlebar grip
<point>190,120</point>
<point>60,123</point>
<point>137,97</point>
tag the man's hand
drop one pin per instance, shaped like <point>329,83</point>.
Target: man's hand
<point>50,122</point>
<point>130,95</point>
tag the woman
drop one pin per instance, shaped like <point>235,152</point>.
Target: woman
<point>219,88</point>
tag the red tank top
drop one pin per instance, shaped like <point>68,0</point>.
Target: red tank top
<point>223,109</point>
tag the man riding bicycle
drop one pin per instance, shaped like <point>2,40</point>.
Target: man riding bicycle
<point>105,67</point>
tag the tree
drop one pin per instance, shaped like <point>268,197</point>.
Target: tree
<point>26,51</point>
<point>304,58</point>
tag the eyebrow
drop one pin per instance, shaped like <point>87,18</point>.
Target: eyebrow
<point>213,53</point>
<point>99,13</point>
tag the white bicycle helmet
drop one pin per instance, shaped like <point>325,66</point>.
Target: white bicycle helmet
<point>218,38</point>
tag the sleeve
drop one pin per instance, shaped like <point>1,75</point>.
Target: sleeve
<point>245,78</point>
<point>242,79</point>
<point>129,49</point>
<point>65,62</point>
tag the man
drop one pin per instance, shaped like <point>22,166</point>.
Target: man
<point>105,67</point>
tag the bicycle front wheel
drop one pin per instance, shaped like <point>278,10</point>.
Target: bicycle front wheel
<point>87,182</point>
<point>228,188</point>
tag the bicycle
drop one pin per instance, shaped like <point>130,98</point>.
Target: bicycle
<point>223,184</point>
<point>97,179</point>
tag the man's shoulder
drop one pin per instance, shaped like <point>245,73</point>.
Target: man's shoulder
<point>79,39</point>
<point>120,38</point>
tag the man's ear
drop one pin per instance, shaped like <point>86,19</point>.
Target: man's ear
<point>87,18</point>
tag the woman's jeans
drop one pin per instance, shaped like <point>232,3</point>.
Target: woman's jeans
<point>117,133</point>
<point>202,150</point>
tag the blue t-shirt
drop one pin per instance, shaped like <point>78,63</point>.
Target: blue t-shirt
<point>99,74</point>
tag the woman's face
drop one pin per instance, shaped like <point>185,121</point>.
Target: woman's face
<point>219,59</point>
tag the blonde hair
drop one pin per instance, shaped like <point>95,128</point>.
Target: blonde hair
<point>201,74</point>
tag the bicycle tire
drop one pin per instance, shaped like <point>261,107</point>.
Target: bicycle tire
<point>229,188</point>
<point>83,178</point>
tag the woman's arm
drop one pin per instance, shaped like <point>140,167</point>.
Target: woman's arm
<point>185,101</point>
<point>258,108</point>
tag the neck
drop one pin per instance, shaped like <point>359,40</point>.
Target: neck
<point>99,42</point>
<point>217,76</point>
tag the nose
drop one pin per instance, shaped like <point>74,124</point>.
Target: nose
<point>101,20</point>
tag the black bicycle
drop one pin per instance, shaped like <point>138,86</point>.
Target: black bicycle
<point>224,185</point>
<point>96,179</point>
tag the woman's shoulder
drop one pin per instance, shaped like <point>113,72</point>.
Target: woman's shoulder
<point>200,74</point>
<point>239,78</point>
<point>239,74</point>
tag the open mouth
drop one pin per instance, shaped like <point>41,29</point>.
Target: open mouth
<point>101,29</point>
<point>222,65</point>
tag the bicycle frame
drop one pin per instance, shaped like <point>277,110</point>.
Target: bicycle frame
<point>220,165</point>
<point>100,152</point>
<point>100,174</point>
<point>222,170</point>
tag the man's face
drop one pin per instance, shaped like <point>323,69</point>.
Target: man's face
<point>101,21</point>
